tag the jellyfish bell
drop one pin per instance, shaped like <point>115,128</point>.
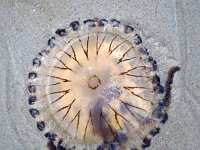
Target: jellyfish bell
<point>95,87</point>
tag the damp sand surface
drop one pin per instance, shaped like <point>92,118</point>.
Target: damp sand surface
<point>25,27</point>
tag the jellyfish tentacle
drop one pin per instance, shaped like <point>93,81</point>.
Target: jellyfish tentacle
<point>162,107</point>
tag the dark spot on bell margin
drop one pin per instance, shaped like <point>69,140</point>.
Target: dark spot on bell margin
<point>153,63</point>
<point>41,125</point>
<point>120,137</point>
<point>89,22</point>
<point>74,25</point>
<point>61,32</point>
<point>161,89</point>
<point>165,118</point>
<point>101,147</point>
<point>167,97</point>
<point>115,23</point>
<point>158,110</point>
<point>44,52</point>
<point>31,88</point>
<point>155,79</point>
<point>32,75</point>
<point>108,146</point>
<point>34,112</point>
<point>143,50</point>
<point>31,100</point>
<point>137,39</point>
<point>150,58</point>
<point>59,146</point>
<point>112,146</point>
<point>166,100</point>
<point>51,42</point>
<point>36,62</point>
<point>128,29</point>
<point>146,143</point>
<point>102,22</point>
<point>158,88</point>
<point>155,131</point>
<point>50,136</point>
<point>51,145</point>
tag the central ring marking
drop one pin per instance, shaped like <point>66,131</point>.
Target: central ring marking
<point>94,82</point>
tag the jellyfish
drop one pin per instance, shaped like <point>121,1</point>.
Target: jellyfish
<point>95,86</point>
